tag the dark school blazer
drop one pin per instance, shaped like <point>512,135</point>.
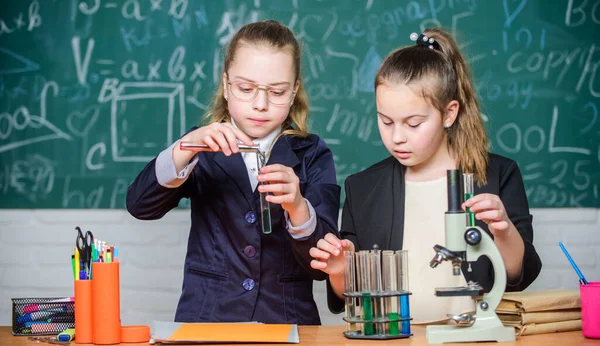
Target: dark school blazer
<point>233,272</point>
<point>374,214</point>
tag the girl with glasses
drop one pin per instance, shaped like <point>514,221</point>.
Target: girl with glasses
<point>233,272</point>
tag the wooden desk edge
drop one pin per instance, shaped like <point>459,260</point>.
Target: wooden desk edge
<point>332,335</point>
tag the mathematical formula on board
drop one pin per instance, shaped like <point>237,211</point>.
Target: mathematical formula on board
<point>92,90</point>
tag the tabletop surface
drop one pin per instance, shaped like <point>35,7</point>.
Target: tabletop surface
<point>332,335</point>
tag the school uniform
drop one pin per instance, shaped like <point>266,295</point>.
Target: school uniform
<point>374,213</point>
<point>233,272</point>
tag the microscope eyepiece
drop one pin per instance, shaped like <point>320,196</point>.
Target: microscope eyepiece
<point>455,191</point>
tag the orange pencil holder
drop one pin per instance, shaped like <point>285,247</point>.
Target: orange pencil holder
<point>83,311</point>
<point>106,304</point>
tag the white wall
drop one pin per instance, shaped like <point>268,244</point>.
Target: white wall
<point>36,245</point>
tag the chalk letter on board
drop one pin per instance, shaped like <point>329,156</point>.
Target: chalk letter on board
<point>587,68</point>
<point>552,148</point>
<point>79,67</point>
<point>132,14</point>
<point>578,10</point>
<point>510,17</point>
<point>85,9</point>
<point>34,18</point>
<point>88,158</point>
<point>109,86</point>
<point>198,71</point>
<point>155,5</point>
<point>178,8</point>
<point>176,69</point>
<point>153,70</point>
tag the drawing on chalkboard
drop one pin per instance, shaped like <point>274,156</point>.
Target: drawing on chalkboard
<point>23,120</point>
<point>22,64</point>
<point>142,108</point>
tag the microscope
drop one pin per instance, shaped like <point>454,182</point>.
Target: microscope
<point>466,242</point>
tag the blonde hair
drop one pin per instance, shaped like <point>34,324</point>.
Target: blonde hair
<point>272,34</point>
<point>446,77</point>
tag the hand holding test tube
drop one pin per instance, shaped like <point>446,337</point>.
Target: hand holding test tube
<point>265,210</point>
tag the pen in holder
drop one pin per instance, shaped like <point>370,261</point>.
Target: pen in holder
<point>376,295</point>
<point>83,311</point>
<point>265,210</point>
<point>106,306</point>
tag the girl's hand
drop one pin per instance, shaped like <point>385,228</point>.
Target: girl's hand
<point>219,137</point>
<point>490,209</point>
<point>329,254</point>
<point>285,187</point>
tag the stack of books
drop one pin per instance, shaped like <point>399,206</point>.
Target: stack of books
<point>541,312</point>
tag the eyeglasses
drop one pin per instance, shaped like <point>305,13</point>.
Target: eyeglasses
<point>247,91</point>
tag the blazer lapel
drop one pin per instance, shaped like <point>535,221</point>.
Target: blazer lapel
<point>283,153</point>
<point>398,198</point>
<point>235,168</point>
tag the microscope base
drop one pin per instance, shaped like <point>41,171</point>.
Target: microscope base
<point>481,331</point>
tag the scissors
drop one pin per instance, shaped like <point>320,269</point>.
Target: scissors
<point>84,246</point>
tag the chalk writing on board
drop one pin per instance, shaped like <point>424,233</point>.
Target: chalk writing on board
<point>21,120</point>
<point>15,63</point>
<point>23,21</point>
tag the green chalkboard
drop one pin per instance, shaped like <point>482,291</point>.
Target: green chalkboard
<point>91,90</point>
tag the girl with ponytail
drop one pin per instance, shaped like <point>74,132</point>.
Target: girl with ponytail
<point>429,120</point>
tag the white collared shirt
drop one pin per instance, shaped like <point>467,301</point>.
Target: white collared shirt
<point>264,144</point>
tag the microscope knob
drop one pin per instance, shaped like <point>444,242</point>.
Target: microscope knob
<point>473,236</point>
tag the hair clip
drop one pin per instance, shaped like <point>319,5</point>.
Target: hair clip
<point>423,40</point>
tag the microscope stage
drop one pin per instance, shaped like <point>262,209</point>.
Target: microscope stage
<point>471,291</point>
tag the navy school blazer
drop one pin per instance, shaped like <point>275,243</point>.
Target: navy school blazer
<point>233,272</point>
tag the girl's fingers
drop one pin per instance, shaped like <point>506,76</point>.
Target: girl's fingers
<point>280,199</point>
<point>333,240</point>
<point>318,254</point>
<point>486,204</point>
<point>499,226</point>
<point>478,198</point>
<point>275,188</point>
<point>489,216</point>
<point>240,135</point>
<point>324,245</point>
<point>219,137</point>
<point>314,264</point>
<point>275,177</point>
<point>347,245</point>
<point>275,168</point>
<point>231,139</point>
<point>211,143</point>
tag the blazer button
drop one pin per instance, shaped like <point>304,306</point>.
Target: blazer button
<point>248,284</point>
<point>250,251</point>
<point>250,217</point>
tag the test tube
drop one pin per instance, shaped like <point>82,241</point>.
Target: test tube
<point>365,287</point>
<point>402,263</point>
<point>350,288</point>
<point>390,285</point>
<point>265,209</point>
<point>377,288</point>
<point>469,191</point>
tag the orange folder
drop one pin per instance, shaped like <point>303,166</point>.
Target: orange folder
<point>174,332</point>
